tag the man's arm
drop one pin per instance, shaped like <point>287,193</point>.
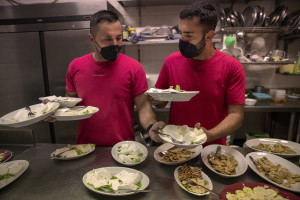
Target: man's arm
<point>232,122</point>
<point>71,94</point>
<point>146,114</point>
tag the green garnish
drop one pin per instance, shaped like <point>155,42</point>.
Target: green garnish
<point>119,147</point>
<point>92,145</point>
<point>79,152</point>
<point>90,184</point>
<point>109,187</point>
<point>113,177</point>
<point>137,160</point>
<point>85,112</point>
<point>141,155</point>
<point>5,176</point>
<point>139,184</point>
<point>178,88</point>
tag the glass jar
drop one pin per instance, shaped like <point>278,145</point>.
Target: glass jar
<point>125,32</point>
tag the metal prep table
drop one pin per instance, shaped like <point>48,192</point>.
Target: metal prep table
<point>47,179</point>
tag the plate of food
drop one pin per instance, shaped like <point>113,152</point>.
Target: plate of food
<point>11,170</point>
<point>189,177</point>
<point>115,181</point>
<point>255,191</point>
<point>24,117</point>
<point>281,172</point>
<point>63,101</point>
<point>278,147</point>
<point>129,153</point>
<point>5,155</point>
<point>75,113</point>
<point>72,151</point>
<point>171,94</point>
<point>169,154</point>
<point>224,161</point>
<point>183,136</point>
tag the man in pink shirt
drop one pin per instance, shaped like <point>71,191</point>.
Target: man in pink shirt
<point>112,82</point>
<point>219,78</point>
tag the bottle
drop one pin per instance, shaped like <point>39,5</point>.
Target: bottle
<point>132,37</point>
<point>297,65</point>
<point>125,32</point>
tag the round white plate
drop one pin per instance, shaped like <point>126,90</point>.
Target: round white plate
<point>271,141</point>
<point>74,117</point>
<point>113,171</point>
<point>67,102</point>
<point>168,146</point>
<point>74,157</point>
<point>204,176</point>
<point>25,164</point>
<point>28,121</point>
<point>172,96</point>
<point>114,152</point>
<point>276,160</point>
<point>242,164</point>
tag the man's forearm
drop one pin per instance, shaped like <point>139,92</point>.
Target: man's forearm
<point>147,116</point>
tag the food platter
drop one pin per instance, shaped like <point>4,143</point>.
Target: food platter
<point>141,148</point>
<point>25,164</point>
<point>272,141</point>
<point>292,168</point>
<point>228,151</point>
<point>63,101</point>
<point>75,113</point>
<point>166,95</point>
<point>7,120</point>
<point>167,146</point>
<point>6,155</point>
<point>73,157</point>
<point>239,186</point>
<point>114,170</point>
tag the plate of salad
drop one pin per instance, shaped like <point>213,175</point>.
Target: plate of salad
<point>129,153</point>
<point>75,113</point>
<point>115,181</point>
<point>72,151</point>
<point>171,94</point>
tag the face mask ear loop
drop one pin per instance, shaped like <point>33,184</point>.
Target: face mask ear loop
<point>203,38</point>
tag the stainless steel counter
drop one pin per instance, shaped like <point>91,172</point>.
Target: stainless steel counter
<point>47,179</point>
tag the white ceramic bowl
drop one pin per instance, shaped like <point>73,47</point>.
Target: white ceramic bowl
<point>115,155</point>
<point>242,164</point>
<point>250,102</point>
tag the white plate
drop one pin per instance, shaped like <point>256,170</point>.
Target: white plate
<point>69,102</point>
<point>271,141</point>
<point>74,117</point>
<point>114,152</point>
<point>204,176</point>
<point>242,165</point>
<point>172,96</point>
<point>167,146</point>
<point>28,121</point>
<point>74,157</point>
<point>276,160</point>
<point>186,146</point>
<point>25,164</point>
<point>113,171</point>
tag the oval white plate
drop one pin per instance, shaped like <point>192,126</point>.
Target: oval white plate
<point>242,164</point>
<point>74,117</point>
<point>25,164</point>
<point>70,102</point>
<point>74,157</point>
<point>276,160</point>
<point>167,146</point>
<point>172,96</point>
<point>272,141</point>
<point>204,176</point>
<point>113,171</point>
<point>28,121</point>
<point>114,152</point>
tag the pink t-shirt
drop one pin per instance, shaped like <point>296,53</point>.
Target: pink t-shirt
<point>220,81</point>
<point>112,87</point>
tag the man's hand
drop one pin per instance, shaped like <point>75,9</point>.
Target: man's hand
<point>157,126</point>
<point>50,119</point>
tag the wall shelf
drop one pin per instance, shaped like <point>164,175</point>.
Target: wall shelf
<point>161,42</point>
<point>267,63</point>
<point>271,29</point>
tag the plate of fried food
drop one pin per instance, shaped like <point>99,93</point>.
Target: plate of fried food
<point>169,154</point>
<point>224,161</point>
<point>278,147</point>
<point>281,172</point>
<point>190,177</point>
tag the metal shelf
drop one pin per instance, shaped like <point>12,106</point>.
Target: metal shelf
<point>271,29</point>
<point>267,63</point>
<point>161,42</point>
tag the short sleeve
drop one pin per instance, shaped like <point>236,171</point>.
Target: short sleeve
<point>235,93</point>
<point>163,78</point>
<point>139,82</point>
<point>70,84</point>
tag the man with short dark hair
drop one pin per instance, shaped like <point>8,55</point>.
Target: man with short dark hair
<point>111,81</point>
<point>198,66</point>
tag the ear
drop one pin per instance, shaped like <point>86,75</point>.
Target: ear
<point>210,35</point>
<point>91,38</point>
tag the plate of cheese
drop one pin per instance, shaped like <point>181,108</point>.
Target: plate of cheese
<point>72,151</point>
<point>115,181</point>
<point>75,113</point>
<point>171,94</point>
<point>11,170</point>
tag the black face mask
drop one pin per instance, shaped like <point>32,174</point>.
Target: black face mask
<point>189,50</point>
<point>109,53</point>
